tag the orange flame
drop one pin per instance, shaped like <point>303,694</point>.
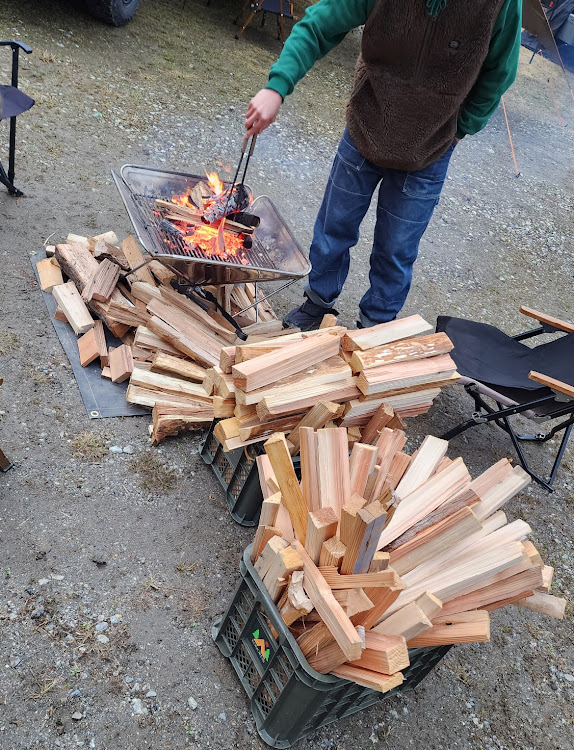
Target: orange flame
<point>214,183</point>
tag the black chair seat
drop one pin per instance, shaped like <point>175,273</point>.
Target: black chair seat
<point>13,102</point>
<point>496,367</point>
<point>484,353</point>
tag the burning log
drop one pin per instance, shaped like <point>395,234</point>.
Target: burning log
<point>231,201</point>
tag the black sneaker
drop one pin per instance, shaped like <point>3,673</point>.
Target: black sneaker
<point>307,316</point>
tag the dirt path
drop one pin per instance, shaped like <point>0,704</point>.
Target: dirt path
<point>142,540</point>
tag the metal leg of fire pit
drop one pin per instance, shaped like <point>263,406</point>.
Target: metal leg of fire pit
<point>5,463</point>
<point>266,297</point>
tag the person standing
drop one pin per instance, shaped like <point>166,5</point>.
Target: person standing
<point>429,73</point>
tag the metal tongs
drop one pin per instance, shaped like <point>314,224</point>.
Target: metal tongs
<point>241,186</point>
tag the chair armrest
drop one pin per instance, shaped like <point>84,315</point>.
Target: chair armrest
<point>548,320</point>
<point>14,44</point>
<point>555,385</point>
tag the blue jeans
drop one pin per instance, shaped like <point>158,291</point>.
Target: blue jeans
<point>405,206</point>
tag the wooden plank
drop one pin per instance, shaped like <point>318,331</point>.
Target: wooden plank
<point>49,273</point>
<point>512,587</point>
<point>182,368</point>
<point>380,561</point>
<point>424,500</point>
<point>88,347</point>
<point>285,563</point>
<point>101,344</point>
<point>170,420</point>
<point>322,525</point>
<point>432,540</point>
<point>333,468</point>
<point>408,621</point>
<point>373,680</point>
<point>103,282</point>
<point>329,321</point>
<point>332,552</point>
<point>222,408</point>
<point>552,383</point>
<point>146,339</point>
<point>278,452</point>
<point>156,381</point>
<point>121,363</point>
<point>189,338</point>
<point>545,604</point>
<point>388,378</point>
<point>328,608</point>
<point>469,627</point>
<point>448,584</point>
<point>135,258</point>
<point>430,605</point>
<point>361,464</point>
<point>399,465</point>
<point>348,514</point>
<point>126,314</point>
<point>267,369</point>
<point>317,417</point>
<point>211,324</point>
<point>337,581</point>
<point>149,397</point>
<point>430,453</point>
<point>383,599</point>
<point>73,307</point>
<point>493,499</point>
<point>378,421</point>
<point>384,333</point>
<point>267,557</point>
<point>406,350</point>
<point>560,325</point>
<point>309,468</point>
<point>383,653</point>
<point>362,541</point>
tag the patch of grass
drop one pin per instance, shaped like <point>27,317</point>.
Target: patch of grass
<point>9,342</point>
<point>154,474</point>
<point>90,446</point>
<point>188,568</point>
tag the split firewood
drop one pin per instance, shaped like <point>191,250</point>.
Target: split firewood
<point>49,273</point>
<point>171,420</point>
<point>121,363</point>
<point>73,307</point>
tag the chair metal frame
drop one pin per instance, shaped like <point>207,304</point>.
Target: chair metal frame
<point>7,179</point>
<point>256,8</point>
<point>485,413</point>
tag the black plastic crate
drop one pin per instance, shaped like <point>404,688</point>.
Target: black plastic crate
<point>288,698</point>
<point>238,475</point>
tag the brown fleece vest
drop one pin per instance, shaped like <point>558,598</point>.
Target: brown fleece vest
<point>413,76</point>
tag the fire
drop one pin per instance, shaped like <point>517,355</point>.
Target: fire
<point>214,183</point>
<point>205,238</point>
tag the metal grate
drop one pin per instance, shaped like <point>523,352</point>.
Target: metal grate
<point>164,243</point>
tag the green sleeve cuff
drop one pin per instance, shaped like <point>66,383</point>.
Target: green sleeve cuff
<point>280,85</point>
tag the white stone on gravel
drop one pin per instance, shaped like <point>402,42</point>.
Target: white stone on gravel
<point>151,694</point>
<point>129,449</point>
<point>77,716</point>
<point>101,626</point>
<point>43,581</point>
<point>138,707</point>
<point>115,449</point>
<point>192,703</point>
<point>103,638</point>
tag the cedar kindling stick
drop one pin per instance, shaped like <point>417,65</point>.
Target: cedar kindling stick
<point>362,463</point>
<point>402,351</point>
<point>278,452</point>
<point>333,468</point>
<point>322,525</point>
<point>362,545</point>
<point>429,455</point>
<point>328,608</point>
<point>266,369</point>
<point>309,469</point>
<point>383,579</point>
<point>468,627</point>
<point>384,333</point>
<point>316,418</point>
<point>546,604</point>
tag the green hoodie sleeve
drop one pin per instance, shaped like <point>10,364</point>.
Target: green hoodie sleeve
<point>498,71</point>
<point>323,26</point>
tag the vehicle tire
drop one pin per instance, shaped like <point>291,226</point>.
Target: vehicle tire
<point>114,12</point>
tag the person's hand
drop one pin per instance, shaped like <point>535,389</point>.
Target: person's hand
<point>262,111</point>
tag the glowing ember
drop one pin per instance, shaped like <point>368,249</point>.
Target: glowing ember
<point>205,238</point>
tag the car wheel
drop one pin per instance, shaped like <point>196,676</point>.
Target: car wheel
<point>114,12</point>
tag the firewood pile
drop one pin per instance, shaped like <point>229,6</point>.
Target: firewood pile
<point>362,572</point>
<point>186,363</point>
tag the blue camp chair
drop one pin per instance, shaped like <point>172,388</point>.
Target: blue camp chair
<point>12,103</point>
<point>281,8</point>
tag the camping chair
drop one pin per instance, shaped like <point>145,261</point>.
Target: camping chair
<point>536,382</point>
<point>12,103</point>
<point>5,463</point>
<point>280,8</point>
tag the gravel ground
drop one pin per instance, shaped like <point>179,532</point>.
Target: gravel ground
<point>114,565</point>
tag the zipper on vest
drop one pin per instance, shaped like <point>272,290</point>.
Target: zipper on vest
<point>424,48</point>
